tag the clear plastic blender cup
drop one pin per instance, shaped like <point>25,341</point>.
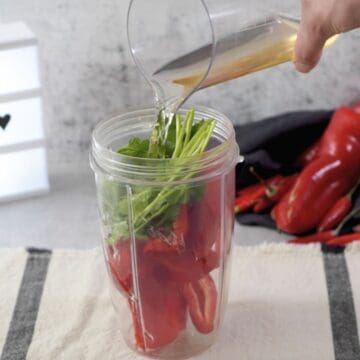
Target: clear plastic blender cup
<point>183,46</point>
<point>168,284</point>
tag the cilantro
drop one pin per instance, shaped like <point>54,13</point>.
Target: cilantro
<point>136,148</point>
<point>176,139</point>
<point>196,126</point>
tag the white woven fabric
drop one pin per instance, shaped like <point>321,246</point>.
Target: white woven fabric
<point>278,306</point>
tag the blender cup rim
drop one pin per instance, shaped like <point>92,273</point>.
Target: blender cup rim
<point>104,159</point>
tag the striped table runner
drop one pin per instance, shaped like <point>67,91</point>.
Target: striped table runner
<point>286,302</point>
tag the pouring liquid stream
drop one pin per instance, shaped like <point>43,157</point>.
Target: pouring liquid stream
<point>267,43</point>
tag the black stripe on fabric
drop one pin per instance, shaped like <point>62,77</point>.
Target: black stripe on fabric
<point>23,321</point>
<point>341,302</point>
<point>38,251</point>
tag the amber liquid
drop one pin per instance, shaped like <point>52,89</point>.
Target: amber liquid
<point>264,45</point>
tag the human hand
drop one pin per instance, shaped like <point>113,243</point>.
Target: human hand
<point>320,20</point>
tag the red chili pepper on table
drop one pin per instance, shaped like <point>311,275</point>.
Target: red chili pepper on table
<point>248,197</point>
<point>281,188</point>
<point>327,178</point>
<point>341,138</point>
<point>274,193</point>
<point>344,239</point>
<point>337,212</point>
<point>270,184</point>
<point>252,195</point>
<point>318,186</point>
<point>262,205</point>
<point>249,190</point>
<point>322,237</point>
<point>327,236</point>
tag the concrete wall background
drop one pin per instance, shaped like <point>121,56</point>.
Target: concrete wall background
<point>88,74</point>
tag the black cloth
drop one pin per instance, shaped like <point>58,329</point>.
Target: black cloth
<point>271,147</point>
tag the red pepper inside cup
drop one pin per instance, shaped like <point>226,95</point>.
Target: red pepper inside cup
<point>173,275</point>
<point>201,297</point>
<point>160,313</point>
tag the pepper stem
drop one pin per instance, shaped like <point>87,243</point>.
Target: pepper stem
<point>346,219</point>
<point>352,191</point>
<point>271,190</point>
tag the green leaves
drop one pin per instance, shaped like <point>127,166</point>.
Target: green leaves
<point>139,201</point>
<point>151,206</point>
<point>136,148</point>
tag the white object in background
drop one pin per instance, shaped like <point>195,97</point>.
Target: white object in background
<point>25,123</point>
<point>16,74</point>
<point>23,172</point>
<point>23,165</point>
<point>19,70</point>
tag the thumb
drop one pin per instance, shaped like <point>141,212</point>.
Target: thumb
<point>309,44</point>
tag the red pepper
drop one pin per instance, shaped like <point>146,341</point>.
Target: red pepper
<point>138,333</point>
<point>162,305</point>
<point>185,267</point>
<point>159,246</point>
<point>263,204</point>
<point>336,214</point>
<point>338,211</point>
<point>160,315</point>
<point>315,191</point>
<point>344,239</point>
<point>272,183</point>
<point>309,154</point>
<point>322,237</point>
<point>327,178</point>
<point>173,242</point>
<point>251,195</point>
<point>326,236</point>
<point>180,226</point>
<point>205,221</point>
<point>277,189</point>
<point>246,201</point>
<point>119,261</point>
<point>249,190</point>
<point>341,138</point>
<point>201,297</point>
<point>201,231</point>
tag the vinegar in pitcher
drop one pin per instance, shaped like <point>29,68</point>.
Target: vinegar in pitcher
<point>262,45</point>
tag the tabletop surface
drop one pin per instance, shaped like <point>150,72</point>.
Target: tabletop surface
<point>68,218</point>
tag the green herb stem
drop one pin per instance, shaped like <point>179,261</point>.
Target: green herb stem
<point>183,140</point>
<point>188,123</point>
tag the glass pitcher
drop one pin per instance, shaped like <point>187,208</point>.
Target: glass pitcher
<point>183,46</point>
